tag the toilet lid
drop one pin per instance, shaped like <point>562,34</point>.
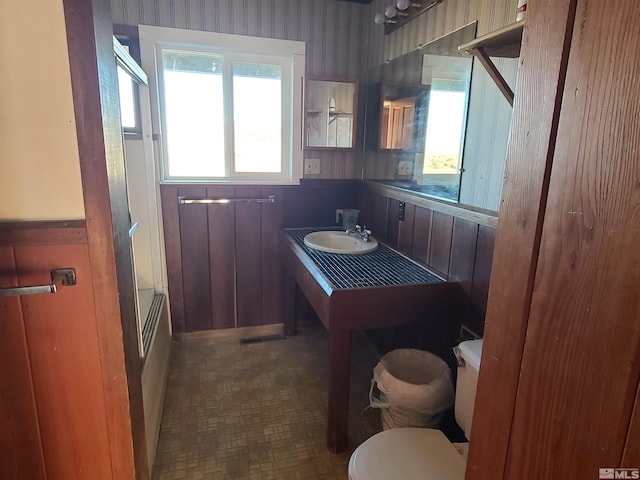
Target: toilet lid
<point>407,454</point>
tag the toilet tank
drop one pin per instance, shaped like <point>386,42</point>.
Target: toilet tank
<point>469,353</point>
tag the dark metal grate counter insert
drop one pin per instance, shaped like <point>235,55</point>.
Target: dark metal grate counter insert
<point>381,268</point>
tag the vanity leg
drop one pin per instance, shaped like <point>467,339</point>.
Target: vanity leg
<point>289,303</point>
<point>339,379</point>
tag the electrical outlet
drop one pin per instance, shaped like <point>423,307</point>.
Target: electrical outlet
<point>405,168</point>
<point>312,166</point>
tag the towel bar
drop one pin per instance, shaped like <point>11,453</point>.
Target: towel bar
<point>187,201</point>
<point>66,276</point>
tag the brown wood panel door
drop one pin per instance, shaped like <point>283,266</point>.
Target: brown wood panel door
<point>64,353</point>
<point>581,360</point>
<point>222,238</point>
<point>248,258</point>
<point>21,456</point>
<point>194,244</point>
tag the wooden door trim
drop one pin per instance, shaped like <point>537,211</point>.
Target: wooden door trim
<point>544,58</point>
<point>99,133</point>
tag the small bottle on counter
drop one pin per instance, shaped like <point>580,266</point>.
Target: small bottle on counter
<point>522,10</point>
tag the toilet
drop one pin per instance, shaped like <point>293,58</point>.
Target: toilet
<point>424,453</point>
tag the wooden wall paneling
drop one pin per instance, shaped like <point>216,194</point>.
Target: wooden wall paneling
<point>196,279</point>
<point>463,252</point>
<point>65,362</point>
<point>20,443</point>
<point>473,214</point>
<point>534,124</point>
<point>422,235</point>
<point>297,208</point>
<point>43,233</point>
<point>364,202</point>
<point>379,227</point>
<point>393,226</point>
<point>441,234</point>
<point>481,277</point>
<point>406,230</point>
<point>342,195</point>
<point>461,268</point>
<point>248,258</point>
<point>314,204</point>
<point>440,331</point>
<point>222,243</point>
<point>173,255</point>
<point>583,335</point>
<point>272,287</point>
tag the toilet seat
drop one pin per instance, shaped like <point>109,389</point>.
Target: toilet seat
<point>407,454</point>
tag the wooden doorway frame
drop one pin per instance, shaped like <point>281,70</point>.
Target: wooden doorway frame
<point>94,85</point>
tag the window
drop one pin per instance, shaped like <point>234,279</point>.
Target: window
<point>228,106</point>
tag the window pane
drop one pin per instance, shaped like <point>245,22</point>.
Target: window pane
<point>127,99</point>
<point>257,110</point>
<point>194,114</point>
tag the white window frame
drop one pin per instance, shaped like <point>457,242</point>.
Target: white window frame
<point>290,54</point>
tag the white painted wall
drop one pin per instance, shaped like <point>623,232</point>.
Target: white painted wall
<point>39,160</point>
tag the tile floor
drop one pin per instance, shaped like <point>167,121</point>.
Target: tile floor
<point>258,410</point>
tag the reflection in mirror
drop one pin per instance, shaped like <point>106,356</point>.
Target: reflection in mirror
<point>435,155</point>
<point>401,118</point>
<point>330,119</point>
<point>449,78</point>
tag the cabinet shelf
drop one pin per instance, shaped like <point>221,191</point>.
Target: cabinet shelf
<point>504,43</point>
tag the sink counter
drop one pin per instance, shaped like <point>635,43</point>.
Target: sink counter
<point>382,288</point>
<point>384,267</point>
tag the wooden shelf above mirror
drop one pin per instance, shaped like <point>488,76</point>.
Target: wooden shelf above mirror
<point>504,43</point>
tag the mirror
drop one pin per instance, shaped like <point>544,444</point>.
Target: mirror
<point>425,94</point>
<point>330,114</point>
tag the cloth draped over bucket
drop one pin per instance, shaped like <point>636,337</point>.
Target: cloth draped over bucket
<point>415,389</point>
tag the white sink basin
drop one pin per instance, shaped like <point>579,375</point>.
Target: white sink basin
<point>339,242</point>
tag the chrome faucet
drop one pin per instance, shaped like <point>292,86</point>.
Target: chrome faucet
<point>360,233</point>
